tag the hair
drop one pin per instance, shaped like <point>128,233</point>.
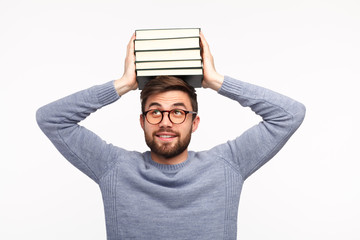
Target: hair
<point>162,84</point>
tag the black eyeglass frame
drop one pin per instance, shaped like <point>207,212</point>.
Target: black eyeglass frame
<point>168,111</point>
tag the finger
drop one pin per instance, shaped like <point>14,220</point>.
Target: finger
<point>132,38</point>
<point>203,41</point>
<point>131,47</point>
<point>205,49</point>
<point>131,43</point>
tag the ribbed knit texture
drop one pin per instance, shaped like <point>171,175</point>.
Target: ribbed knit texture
<point>106,93</point>
<point>197,199</point>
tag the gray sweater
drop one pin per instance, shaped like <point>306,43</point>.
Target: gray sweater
<point>197,199</point>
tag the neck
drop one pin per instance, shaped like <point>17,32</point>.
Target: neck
<point>170,161</point>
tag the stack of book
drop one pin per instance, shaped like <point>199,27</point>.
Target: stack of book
<point>172,52</point>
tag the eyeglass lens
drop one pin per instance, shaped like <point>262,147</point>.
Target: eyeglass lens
<point>176,116</point>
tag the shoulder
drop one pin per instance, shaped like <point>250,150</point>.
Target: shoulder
<point>218,155</point>
<point>123,156</point>
<point>124,159</point>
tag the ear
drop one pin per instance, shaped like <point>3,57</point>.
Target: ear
<point>142,121</point>
<point>195,123</point>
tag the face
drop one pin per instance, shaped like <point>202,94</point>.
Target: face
<point>165,139</point>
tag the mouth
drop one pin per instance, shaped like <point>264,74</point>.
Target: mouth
<point>167,137</point>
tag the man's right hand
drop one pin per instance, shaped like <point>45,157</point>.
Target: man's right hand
<point>128,81</point>
<point>212,79</point>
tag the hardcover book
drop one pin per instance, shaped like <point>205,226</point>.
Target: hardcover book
<point>193,80</point>
<point>166,44</point>
<point>168,55</point>
<point>170,72</point>
<point>167,33</point>
<point>169,64</point>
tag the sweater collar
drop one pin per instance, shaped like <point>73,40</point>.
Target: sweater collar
<point>168,168</point>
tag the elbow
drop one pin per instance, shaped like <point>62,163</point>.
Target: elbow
<point>40,119</point>
<point>299,114</point>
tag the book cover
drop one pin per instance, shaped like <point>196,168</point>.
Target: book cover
<point>167,33</point>
<point>170,72</point>
<point>193,80</point>
<point>164,55</point>
<point>167,44</point>
<point>169,64</point>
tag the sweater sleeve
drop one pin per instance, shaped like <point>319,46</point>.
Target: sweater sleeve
<point>281,117</point>
<point>81,147</point>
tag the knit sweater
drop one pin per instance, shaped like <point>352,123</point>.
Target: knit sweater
<point>196,199</point>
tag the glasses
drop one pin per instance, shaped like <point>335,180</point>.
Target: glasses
<point>176,116</point>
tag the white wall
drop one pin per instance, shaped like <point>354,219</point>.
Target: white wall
<point>308,50</point>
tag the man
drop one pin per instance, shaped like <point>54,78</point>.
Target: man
<point>170,192</point>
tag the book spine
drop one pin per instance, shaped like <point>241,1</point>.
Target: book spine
<point>172,49</point>
<point>165,29</point>
<point>167,44</point>
<point>193,80</point>
<point>168,60</point>
<point>161,31</point>
<point>177,54</point>
<point>172,68</point>
<point>169,38</point>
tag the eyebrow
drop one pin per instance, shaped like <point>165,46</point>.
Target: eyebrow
<point>179,104</point>
<point>175,104</point>
<point>154,104</point>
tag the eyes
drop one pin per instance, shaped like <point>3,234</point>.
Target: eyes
<point>176,116</point>
<point>178,113</point>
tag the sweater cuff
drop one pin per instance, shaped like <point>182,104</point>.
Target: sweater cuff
<point>106,93</point>
<point>231,88</point>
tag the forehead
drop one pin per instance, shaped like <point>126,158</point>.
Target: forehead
<point>169,99</point>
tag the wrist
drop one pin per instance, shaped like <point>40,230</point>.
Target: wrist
<point>123,86</point>
<point>215,82</point>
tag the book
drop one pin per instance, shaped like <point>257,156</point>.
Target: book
<point>172,72</point>
<point>186,54</point>
<point>193,76</point>
<point>169,64</point>
<point>166,44</point>
<point>193,80</point>
<point>167,33</point>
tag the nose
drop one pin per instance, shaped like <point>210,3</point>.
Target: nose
<point>165,122</point>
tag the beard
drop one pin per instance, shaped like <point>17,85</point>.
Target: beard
<point>168,150</point>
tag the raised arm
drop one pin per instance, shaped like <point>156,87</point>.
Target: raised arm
<point>59,121</point>
<point>281,117</point>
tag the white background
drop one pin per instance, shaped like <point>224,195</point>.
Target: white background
<point>308,50</point>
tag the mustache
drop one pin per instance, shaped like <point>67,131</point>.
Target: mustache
<point>166,130</point>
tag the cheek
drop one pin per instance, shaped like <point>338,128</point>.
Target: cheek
<point>186,129</point>
<point>149,129</point>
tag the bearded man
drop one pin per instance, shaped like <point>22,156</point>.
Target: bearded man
<point>170,192</point>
